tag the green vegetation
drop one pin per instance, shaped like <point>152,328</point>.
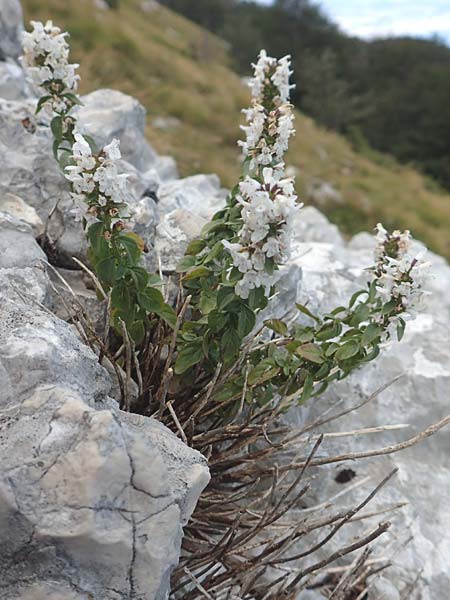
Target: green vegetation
<point>396,91</point>
<point>179,70</point>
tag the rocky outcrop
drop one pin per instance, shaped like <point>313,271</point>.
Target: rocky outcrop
<point>92,500</point>
<point>331,270</point>
<point>11,28</point>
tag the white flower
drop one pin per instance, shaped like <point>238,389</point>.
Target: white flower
<point>112,150</point>
<point>268,206</point>
<point>46,58</point>
<point>281,78</point>
<point>270,122</point>
<point>82,153</point>
<point>96,181</point>
<point>399,275</point>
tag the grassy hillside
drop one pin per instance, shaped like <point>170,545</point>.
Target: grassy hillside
<point>178,70</point>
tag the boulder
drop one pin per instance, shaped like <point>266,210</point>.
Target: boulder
<point>13,85</point>
<point>92,500</point>
<point>11,26</point>
<point>15,206</point>
<point>199,194</point>
<point>29,170</point>
<point>330,273</point>
<point>22,273</point>
<point>108,114</point>
<point>184,207</point>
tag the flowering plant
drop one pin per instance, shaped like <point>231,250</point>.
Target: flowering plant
<point>98,190</point>
<point>230,273</point>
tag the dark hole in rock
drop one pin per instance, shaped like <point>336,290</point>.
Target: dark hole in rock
<point>345,476</point>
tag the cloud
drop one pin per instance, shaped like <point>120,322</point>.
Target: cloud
<point>372,18</point>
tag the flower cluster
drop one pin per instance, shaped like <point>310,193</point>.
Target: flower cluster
<point>267,209</point>
<point>98,188</point>
<point>270,118</point>
<point>46,57</point>
<point>267,199</point>
<point>400,276</point>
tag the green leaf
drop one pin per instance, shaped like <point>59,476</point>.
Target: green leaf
<point>56,126</point>
<point>328,332</point>
<point>130,245</point>
<point>401,325</point>
<point>246,321</point>
<point>360,315</point>
<point>307,312</point>
<point>187,357</point>
<point>371,333</point>
<point>262,372</point>
<point>308,387</point>
<point>304,334</point>
<point>185,264</point>
<point>137,331</point>
<point>64,159</point>
<point>106,270</point>
<point>311,352</point>
<point>207,302</point>
<point>167,313</point>
<point>217,321</point>
<point>355,297</point>
<point>277,325</point>
<point>230,344</point>
<point>195,247</point>
<point>140,277</point>
<point>151,299</point>
<point>257,298</point>
<point>55,148</point>
<point>347,350</point>
<point>75,100</point>
<point>331,349</point>
<point>92,143</point>
<point>196,273</point>
<point>216,250</point>
<point>388,307</point>
<point>225,296</point>
<point>41,103</point>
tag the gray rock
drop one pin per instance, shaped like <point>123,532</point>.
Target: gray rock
<point>22,273</point>
<point>13,85</point>
<point>11,26</point>
<point>184,207</point>
<point>29,170</point>
<point>173,233</point>
<point>92,500</point>
<point>109,114</point>
<point>330,273</point>
<point>199,194</point>
<point>15,206</point>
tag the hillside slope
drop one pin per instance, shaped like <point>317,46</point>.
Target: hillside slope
<point>181,74</point>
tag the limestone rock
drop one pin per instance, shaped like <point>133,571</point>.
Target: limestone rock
<point>199,194</point>
<point>11,25</point>
<point>22,273</point>
<point>175,230</point>
<point>184,206</point>
<point>15,206</point>
<point>92,500</point>
<point>330,273</point>
<point>29,170</point>
<point>109,114</point>
<point>13,85</point>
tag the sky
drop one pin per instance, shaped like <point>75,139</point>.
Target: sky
<point>375,18</point>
